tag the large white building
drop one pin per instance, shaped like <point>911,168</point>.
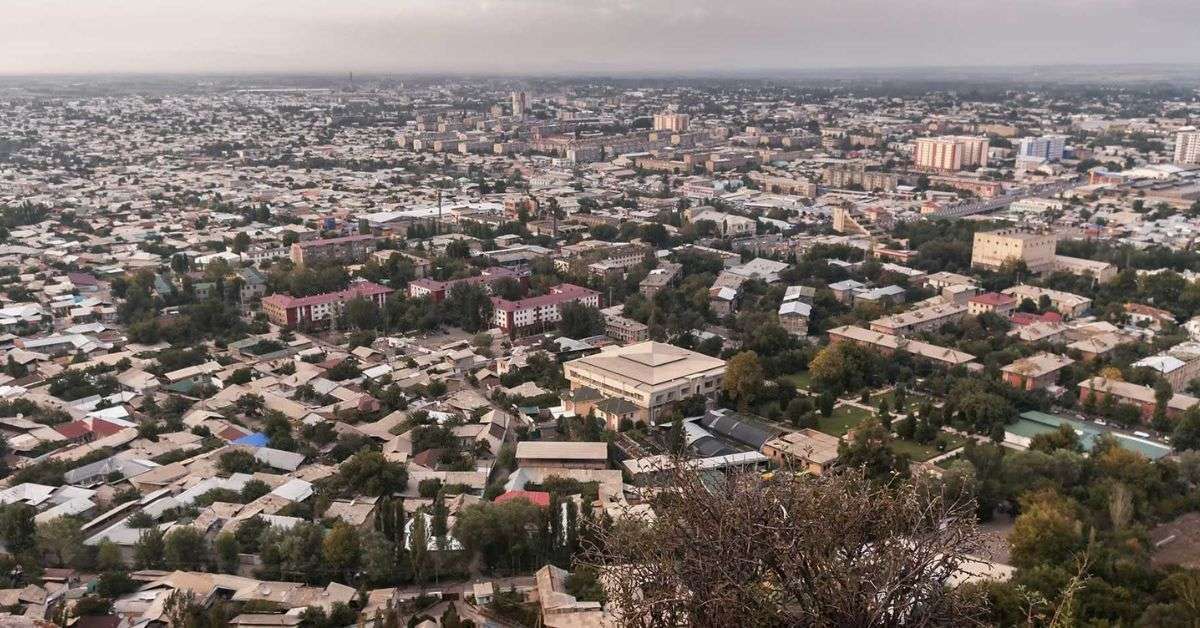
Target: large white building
<point>1048,147</point>
<point>650,375</point>
<point>951,152</point>
<point>1187,147</point>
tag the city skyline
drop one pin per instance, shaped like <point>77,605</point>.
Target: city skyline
<point>657,37</point>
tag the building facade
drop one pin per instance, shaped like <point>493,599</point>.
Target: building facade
<point>320,309</point>
<point>992,249</point>
<point>536,313</point>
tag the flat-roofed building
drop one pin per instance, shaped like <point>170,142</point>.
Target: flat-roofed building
<point>354,248</point>
<point>991,250</point>
<point>288,311</point>
<point>624,329</point>
<point>533,313</point>
<point>651,375</point>
<point>562,454</point>
<point>1102,271</point>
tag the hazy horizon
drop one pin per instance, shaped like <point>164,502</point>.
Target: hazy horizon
<point>622,37</point>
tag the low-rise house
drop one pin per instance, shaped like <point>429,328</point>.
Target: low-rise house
<point>1036,371</point>
<point>573,455</point>
<point>1097,389</point>
<point>807,449</point>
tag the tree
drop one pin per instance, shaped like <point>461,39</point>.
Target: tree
<point>1048,530</point>
<point>185,548</point>
<point>1187,430</point>
<point>868,447</point>
<point>418,547</point>
<point>61,538</point>
<point>831,550</point>
<point>1062,438</point>
<point>468,306</point>
<point>340,550</point>
<point>370,473</point>
<point>675,437</point>
<point>362,313</point>
<point>580,321</point>
<point>148,552</point>
<point>17,527</point>
<point>241,242</point>
<point>743,378</point>
<point>226,549</point>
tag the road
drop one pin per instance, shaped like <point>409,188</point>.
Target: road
<point>984,206</point>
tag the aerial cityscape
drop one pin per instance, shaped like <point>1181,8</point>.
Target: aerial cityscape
<point>526,341</point>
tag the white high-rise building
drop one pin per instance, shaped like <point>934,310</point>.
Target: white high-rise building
<point>676,122</point>
<point>1048,147</point>
<point>1187,147</point>
<point>519,102</point>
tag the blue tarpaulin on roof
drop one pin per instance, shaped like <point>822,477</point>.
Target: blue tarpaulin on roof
<point>257,439</point>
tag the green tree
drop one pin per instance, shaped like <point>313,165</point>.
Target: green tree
<point>370,473</point>
<point>62,539</point>
<point>743,378</point>
<point>1048,530</point>
<point>226,548</point>
<point>148,552</point>
<point>341,550</point>
<point>17,528</point>
<point>1187,430</point>
<point>869,446</point>
<point>184,548</point>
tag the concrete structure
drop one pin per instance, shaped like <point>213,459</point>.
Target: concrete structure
<point>533,313</point>
<point>993,302</point>
<point>625,330</point>
<point>1187,147</point>
<point>1142,397</point>
<point>1102,271</point>
<point>1036,371</point>
<point>889,344</point>
<point>353,248</point>
<point>288,311</point>
<point>677,122</point>
<point>921,319</point>
<point>950,153</point>
<point>794,317</point>
<point>806,449</point>
<point>1048,147</point>
<point>651,375</point>
<point>992,249</point>
<point>559,454</point>
<point>659,278</point>
<point>1068,304</point>
<point>439,290</point>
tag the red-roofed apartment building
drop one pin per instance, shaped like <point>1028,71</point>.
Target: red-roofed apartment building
<point>514,317</point>
<point>288,311</point>
<point>993,302</point>
<point>439,290</point>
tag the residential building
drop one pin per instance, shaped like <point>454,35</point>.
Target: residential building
<point>1097,389</point>
<point>991,302</point>
<point>537,313</point>
<point>670,121</point>
<point>1068,304</point>
<point>288,311</point>
<point>439,290</point>
<point>354,248</point>
<point>950,153</point>
<point>807,449</point>
<point>1187,147</point>
<point>794,317</point>
<point>1036,371</point>
<point>889,344</point>
<point>659,278</point>
<point>1047,147</point>
<point>993,249</point>
<point>922,319</point>
<point>625,330</point>
<point>651,375</point>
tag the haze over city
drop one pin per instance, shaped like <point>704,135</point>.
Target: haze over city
<point>565,36</point>
<point>599,314</point>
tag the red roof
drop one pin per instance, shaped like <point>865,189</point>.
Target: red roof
<point>993,298</point>
<point>537,498</point>
<point>74,429</point>
<point>1026,318</point>
<point>231,433</point>
<point>361,289</point>
<point>100,427</point>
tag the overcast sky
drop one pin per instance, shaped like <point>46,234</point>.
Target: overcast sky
<point>563,36</point>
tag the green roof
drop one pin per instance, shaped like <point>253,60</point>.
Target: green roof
<point>1033,423</point>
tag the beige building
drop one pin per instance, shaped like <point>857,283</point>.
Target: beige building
<point>676,122</point>
<point>812,450</point>
<point>992,249</point>
<point>921,319</point>
<point>950,153</point>
<point>1068,304</point>
<point>650,375</point>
